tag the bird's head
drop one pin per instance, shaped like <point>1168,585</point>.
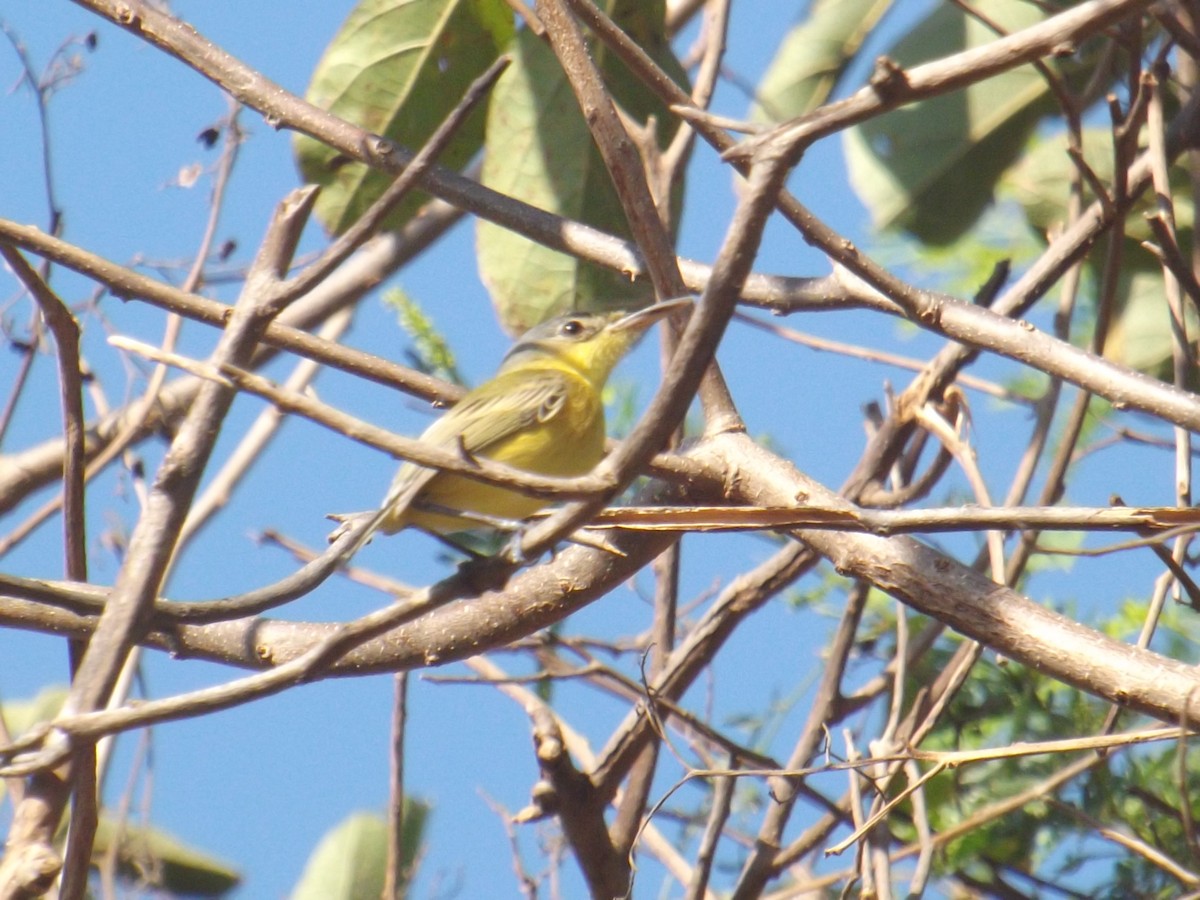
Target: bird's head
<point>590,343</point>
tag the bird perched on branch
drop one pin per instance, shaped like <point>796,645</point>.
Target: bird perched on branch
<point>541,412</point>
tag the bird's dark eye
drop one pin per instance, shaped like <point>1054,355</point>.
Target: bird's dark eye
<point>572,328</point>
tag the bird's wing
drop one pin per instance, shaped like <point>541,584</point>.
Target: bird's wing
<point>482,419</point>
<point>511,404</point>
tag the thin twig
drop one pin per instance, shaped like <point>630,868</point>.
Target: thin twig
<point>397,878</point>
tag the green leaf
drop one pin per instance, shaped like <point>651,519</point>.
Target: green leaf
<point>996,705</point>
<point>930,168</point>
<point>643,20</point>
<point>430,352</point>
<point>539,150</point>
<point>350,862</point>
<point>1041,183</point>
<point>145,855</point>
<point>396,68</point>
<point>1140,336</point>
<point>813,56</point>
<point>152,857</point>
<point>21,715</point>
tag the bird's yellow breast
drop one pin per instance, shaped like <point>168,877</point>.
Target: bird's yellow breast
<point>567,443</point>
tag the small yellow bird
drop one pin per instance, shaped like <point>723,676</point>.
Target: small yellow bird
<point>542,413</point>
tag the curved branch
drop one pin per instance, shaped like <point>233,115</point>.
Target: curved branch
<point>970,603</point>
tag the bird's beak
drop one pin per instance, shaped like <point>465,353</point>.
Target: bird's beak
<point>642,319</point>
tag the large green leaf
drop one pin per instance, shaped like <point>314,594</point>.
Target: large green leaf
<point>813,56</point>
<point>930,167</point>
<point>539,149</point>
<point>1041,183</point>
<point>21,715</point>
<point>350,862</point>
<point>151,857</point>
<point>396,68</point>
<point>1141,335</point>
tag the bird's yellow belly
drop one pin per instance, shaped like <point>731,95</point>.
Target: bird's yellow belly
<point>565,446</point>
